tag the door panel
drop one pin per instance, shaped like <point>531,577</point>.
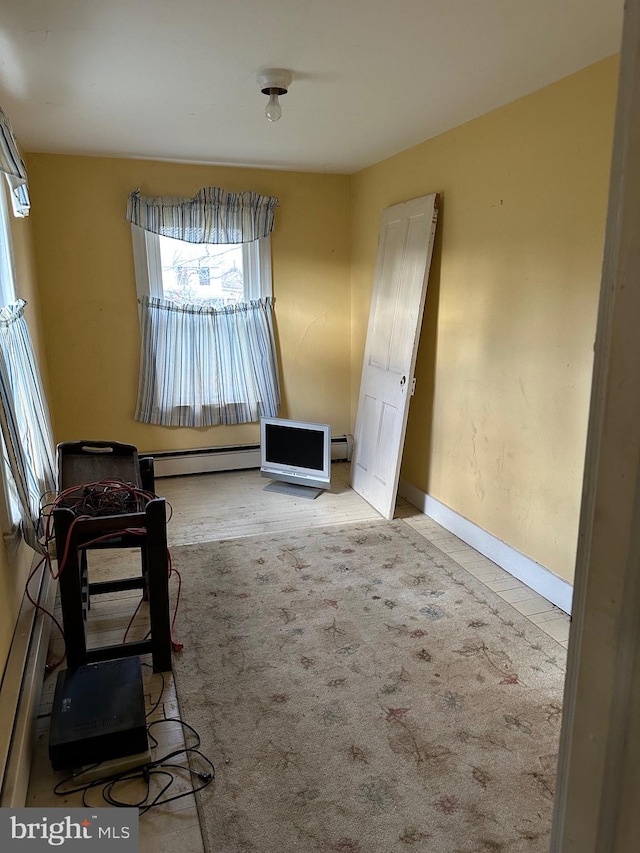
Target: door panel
<point>402,270</point>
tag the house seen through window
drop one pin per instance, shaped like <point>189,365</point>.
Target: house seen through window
<point>202,272</point>
<point>211,274</point>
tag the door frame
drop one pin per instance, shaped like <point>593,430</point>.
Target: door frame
<point>599,762</point>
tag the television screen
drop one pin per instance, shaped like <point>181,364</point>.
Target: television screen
<point>295,452</point>
<point>302,448</point>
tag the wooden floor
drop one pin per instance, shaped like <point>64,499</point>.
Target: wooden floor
<point>222,506</point>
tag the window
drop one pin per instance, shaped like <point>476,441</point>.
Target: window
<point>9,505</point>
<point>212,274</point>
<point>207,353</point>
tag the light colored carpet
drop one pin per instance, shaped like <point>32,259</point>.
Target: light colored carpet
<point>359,692</point>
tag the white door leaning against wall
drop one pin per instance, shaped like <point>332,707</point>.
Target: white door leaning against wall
<point>405,247</point>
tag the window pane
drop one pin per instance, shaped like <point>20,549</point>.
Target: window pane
<point>202,272</point>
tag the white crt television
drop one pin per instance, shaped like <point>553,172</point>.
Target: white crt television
<point>296,452</point>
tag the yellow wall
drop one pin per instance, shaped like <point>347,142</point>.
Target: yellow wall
<point>87,285</point>
<point>497,427</point>
<point>14,569</point>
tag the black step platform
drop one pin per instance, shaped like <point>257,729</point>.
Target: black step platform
<point>98,713</point>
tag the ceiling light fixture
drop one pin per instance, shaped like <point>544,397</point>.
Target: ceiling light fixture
<point>274,82</point>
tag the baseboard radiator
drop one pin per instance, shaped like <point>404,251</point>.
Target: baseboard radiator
<point>21,690</point>
<point>173,463</point>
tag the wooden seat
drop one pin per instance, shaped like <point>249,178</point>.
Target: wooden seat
<point>81,464</point>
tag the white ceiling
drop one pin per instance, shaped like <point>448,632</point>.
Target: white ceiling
<point>176,79</point>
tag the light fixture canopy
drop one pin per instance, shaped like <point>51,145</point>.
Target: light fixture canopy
<point>274,82</point>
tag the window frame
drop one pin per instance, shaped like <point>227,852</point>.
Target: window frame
<point>7,267</point>
<point>256,265</point>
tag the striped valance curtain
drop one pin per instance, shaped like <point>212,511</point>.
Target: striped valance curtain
<point>24,420</point>
<point>211,216</point>
<point>12,165</point>
<point>202,366</point>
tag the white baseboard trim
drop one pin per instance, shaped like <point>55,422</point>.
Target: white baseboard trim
<point>205,462</point>
<point>534,575</point>
<point>209,460</point>
<point>21,690</point>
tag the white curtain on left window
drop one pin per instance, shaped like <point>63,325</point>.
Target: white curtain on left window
<point>24,421</point>
<point>12,165</point>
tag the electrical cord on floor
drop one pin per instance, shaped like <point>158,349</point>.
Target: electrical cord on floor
<point>49,667</point>
<point>156,705</point>
<point>156,769</point>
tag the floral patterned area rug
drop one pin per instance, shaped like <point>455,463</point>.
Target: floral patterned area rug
<point>359,692</point>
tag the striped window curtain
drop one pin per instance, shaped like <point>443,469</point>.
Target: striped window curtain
<point>209,366</point>
<point>12,165</point>
<point>24,421</point>
<point>211,216</point>
<point>203,366</point>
